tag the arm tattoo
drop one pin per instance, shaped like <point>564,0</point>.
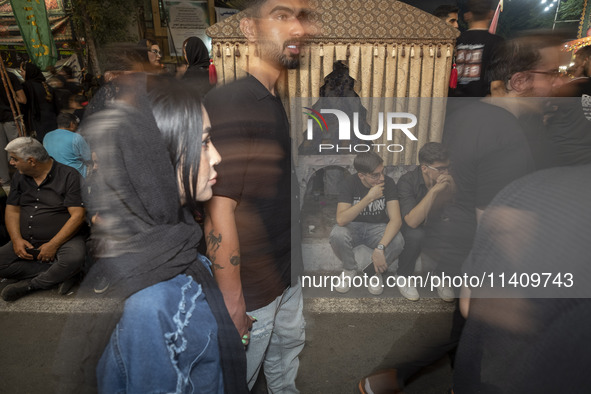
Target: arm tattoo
<point>235,260</point>
<point>213,242</point>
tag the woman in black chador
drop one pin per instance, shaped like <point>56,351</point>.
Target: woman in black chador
<point>41,109</point>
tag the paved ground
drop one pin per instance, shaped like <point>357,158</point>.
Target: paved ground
<point>346,338</point>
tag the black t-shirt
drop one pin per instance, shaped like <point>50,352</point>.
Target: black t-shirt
<point>569,123</point>
<point>474,50</point>
<point>536,227</point>
<point>411,190</point>
<point>250,130</point>
<point>488,150</point>
<point>351,191</point>
<point>44,208</point>
<point>5,111</point>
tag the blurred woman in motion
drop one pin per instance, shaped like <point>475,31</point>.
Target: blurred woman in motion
<point>157,162</point>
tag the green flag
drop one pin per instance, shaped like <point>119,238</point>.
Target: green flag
<point>31,17</point>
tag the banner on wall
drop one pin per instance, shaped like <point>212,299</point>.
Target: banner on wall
<point>187,18</point>
<point>223,13</point>
<point>33,24</point>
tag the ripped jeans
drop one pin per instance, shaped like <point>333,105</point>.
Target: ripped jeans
<point>165,342</point>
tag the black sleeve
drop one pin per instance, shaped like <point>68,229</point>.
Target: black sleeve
<point>16,84</point>
<point>503,157</point>
<point>390,189</point>
<point>346,190</point>
<point>406,195</point>
<point>230,137</point>
<point>73,192</point>
<point>14,197</point>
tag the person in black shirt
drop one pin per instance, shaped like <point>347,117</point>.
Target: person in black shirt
<point>44,214</point>
<point>197,57</point>
<point>474,50</point>
<point>367,214</point>
<point>538,224</point>
<point>41,110</point>
<point>569,115</point>
<point>422,193</point>
<point>249,227</point>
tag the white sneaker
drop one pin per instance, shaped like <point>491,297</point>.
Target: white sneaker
<point>446,293</point>
<point>379,284</point>
<point>409,292</point>
<point>346,280</point>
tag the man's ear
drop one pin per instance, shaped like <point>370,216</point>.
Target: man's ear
<point>467,16</point>
<point>520,82</point>
<point>248,28</point>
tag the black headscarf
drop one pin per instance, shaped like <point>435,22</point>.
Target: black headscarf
<point>198,60</point>
<point>197,53</point>
<point>145,236</point>
<point>34,76</point>
<point>33,73</point>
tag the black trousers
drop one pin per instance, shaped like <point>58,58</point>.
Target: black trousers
<point>68,262</point>
<point>413,240</point>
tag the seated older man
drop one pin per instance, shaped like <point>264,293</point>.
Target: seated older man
<point>44,215</point>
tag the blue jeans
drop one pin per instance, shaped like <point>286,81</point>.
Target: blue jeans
<point>165,342</point>
<point>344,238</point>
<point>276,340</point>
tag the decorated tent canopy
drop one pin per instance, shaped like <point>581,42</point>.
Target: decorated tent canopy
<point>391,48</point>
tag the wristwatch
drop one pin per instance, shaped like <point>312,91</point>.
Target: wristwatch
<point>380,247</point>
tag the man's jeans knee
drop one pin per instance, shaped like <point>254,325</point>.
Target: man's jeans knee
<point>342,243</point>
<point>344,238</point>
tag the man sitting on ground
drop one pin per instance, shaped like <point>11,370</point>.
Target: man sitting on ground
<point>67,147</point>
<point>422,193</point>
<point>367,214</point>
<point>44,214</point>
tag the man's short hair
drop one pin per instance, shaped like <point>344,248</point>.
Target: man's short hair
<point>444,10</point>
<point>26,147</point>
<point>252,8</point>
<point>480,9</point>
<point>367,162</point>
<point>520,54</point>
<point>65,118</point>
<point>433,152</point>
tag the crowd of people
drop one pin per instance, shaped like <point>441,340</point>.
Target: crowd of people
<point>122,191</point>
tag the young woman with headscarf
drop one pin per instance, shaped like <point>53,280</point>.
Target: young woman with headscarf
<point>41,109</point>
<point>197,58</point>
<point>174,333</point>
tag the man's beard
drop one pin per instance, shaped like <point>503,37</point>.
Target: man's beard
<point>271,51</point>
